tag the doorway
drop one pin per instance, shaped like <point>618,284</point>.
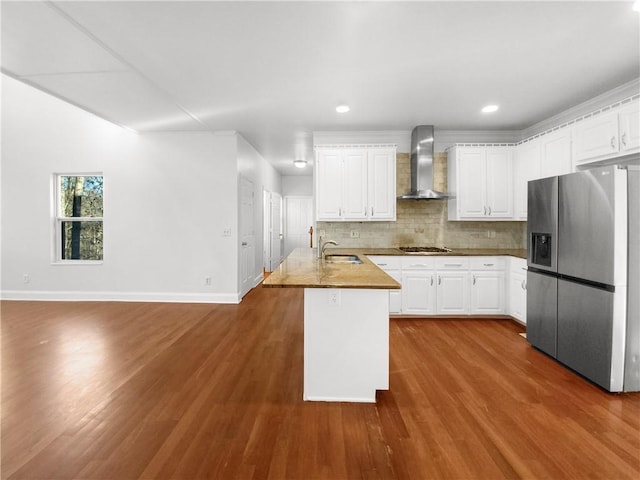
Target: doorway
<point>298,219</point>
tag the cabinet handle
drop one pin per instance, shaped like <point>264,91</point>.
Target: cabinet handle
<point>339,211</point>
<point>452,264</point>
<point>419,265</point>
<point>244,244</point>
<point>382,264</point>
<point>489,210</point>
<point>485,210</point>
<point>624,139</point>
<point>474,279</point>
<point>439,280</point>
<point>613,142</point>
<point>432,280</point>
<point>365,211</point>
<point>488,264</point>
<point>372,211</point>
<point>523,285</point>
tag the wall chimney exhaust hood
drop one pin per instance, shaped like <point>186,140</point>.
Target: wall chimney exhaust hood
<point>422,166</point>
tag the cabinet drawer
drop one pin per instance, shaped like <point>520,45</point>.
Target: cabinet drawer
<point>452,263</point>
<point>488,263</point>
<point>417,262</point>
<point>386,262</point>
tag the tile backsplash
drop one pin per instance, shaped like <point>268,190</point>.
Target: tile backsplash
<point>425,222</point>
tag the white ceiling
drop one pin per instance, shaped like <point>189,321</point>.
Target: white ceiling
<point>275,71</point>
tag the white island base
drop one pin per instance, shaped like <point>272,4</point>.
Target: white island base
<point>346,344</point>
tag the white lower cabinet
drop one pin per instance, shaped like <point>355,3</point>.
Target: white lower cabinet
<point>395,296</point>
<point>518,289</point>
<point>418,285</point>
<point>447,285</point>
<point>392,267</point>
<point>453,285</point>
<point>487,285</point>
<point>452,296</point>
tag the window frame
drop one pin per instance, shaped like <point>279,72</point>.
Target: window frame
<point>58,220</point>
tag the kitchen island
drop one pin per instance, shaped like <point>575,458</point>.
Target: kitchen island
<point>346,324</point>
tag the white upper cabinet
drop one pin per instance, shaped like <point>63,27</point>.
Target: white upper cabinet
<point>629,128</point>
<point>526,166</point>
<point>555,156</point>
<point>480,179</point>
<point>607,135</point>
<point>382,184</point>
<point>328,173</point>
<point>595,137</point>
<point>355,184</point>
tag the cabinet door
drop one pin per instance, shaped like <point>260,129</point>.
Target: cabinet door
<point>395,296</point>
<point>595,137</point>
<point>499,183</point>
<point>382,184</point>
<point>556,153</point>
<point>452,292</point>
<point>487,292</point>
<point>630,128</point>
<point>526,167</point>
<point>328,173</point>
<point>354,185</point>
<point>471,179</point>
<point>418,288</point>
<point>517,296</point>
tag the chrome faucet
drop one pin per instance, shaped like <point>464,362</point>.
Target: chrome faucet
<point>322,246</point>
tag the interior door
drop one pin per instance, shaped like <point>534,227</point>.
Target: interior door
<point>298,217</point>
<point>277,237</point>
<point>247,262</point>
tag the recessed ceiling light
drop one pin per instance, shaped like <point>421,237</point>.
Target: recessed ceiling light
<point>636,5</point>
<point>342,108</point>
<point>490,109</point>
<point>300,163</point>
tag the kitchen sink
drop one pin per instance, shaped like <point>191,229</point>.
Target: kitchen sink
<point>342,258</point>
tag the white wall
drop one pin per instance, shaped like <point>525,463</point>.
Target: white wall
<point>297,185</point>
<point>167,199</point>
<point>264,177</point>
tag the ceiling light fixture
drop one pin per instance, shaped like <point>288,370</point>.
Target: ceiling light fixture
<point>342,108</point>
<point>300,163</point>
<point>636,5</point>
<point>490,109</point>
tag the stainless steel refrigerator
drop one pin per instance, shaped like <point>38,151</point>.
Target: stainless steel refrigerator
<point>583,269</point>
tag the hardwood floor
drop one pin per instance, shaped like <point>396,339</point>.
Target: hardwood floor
<point>195,391</point>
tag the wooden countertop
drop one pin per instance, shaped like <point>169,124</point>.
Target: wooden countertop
<point>302,268</point>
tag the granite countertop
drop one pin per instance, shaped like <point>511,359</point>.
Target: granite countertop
<point>302,268</point>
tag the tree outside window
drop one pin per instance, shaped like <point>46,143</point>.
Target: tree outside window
<point>79,217</point>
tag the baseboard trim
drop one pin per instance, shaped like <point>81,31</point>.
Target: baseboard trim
<point>73,296</point>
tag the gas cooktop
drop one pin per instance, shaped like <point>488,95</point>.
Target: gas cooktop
<point>424,250</point>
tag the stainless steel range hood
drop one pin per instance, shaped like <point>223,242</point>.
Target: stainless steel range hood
<point>422,166</point>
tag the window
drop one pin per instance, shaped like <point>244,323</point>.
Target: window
<point>79,211</point>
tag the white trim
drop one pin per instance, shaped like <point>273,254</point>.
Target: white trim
<point>608,99</point>
<point>314,398</point>
<point>75,296</point>
<point>357,145</point>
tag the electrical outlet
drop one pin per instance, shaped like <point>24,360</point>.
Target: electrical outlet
<point>226,232</point>
<point>355,234</point>
<point>26,278</point>
<point>207,281</point>
<point>334,297</point>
